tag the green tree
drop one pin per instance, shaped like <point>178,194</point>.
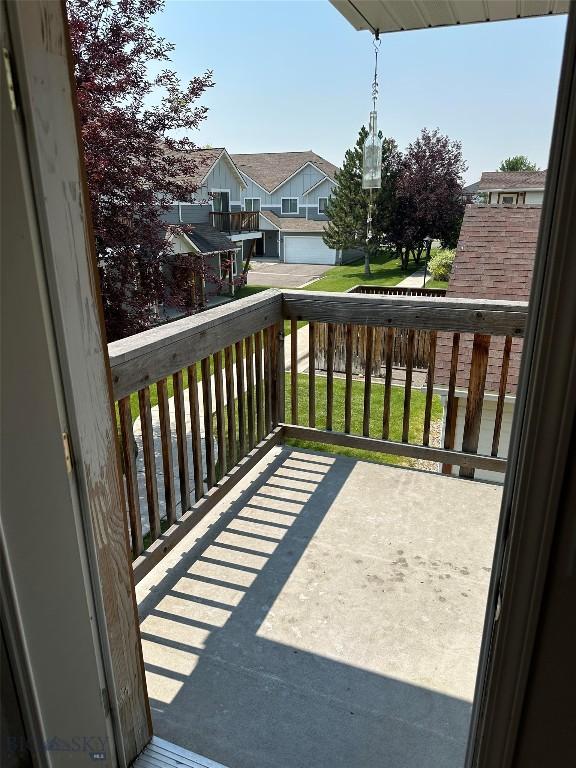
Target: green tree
<point>428,195</point>
<point>517,163</point>
<point>347,208</point>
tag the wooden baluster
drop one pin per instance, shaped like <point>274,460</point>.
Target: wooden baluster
<point>452,403</point>
<point>259,394</point>
<point>429,387</point>
<point>475,399</point>
<point>195,430</point>
<point>166,440</point>
<point>208,425</point>
<point>348,393</point>
<point>330,377</point>
<point>249,357</point>
<point>501,395</point>
<point>267,380</point>
<point>239,350</point>
<point>230,410</point>
<point>274,383</point>
<point>389,347</point>
<point>181,442</point>
<point>294,371</point>
<point>367,380</point>
<point>311,374</point>
<point>149,461</point>
<point>129,459</point>
<point>279,374</point>
<point>220,420</point>
<point>408,386</point>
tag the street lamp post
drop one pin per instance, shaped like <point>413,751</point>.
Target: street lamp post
<point>428,246</point>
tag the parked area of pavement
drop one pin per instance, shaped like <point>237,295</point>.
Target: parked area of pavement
<point>276,275</point>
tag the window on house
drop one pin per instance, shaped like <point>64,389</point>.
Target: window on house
<point>221,201</point>
<point>252,204</point>
<point>322,203</point>
<point>289,205</point>
<point>508,199</point>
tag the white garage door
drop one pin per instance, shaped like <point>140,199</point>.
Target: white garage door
<point>307,250</point>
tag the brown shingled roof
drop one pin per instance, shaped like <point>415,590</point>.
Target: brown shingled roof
<point>294,224</point>
<point>517,180</point>
<point>270,169</point>
<point>494,260</point>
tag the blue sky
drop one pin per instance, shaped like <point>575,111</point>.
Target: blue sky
<point>295,75</point>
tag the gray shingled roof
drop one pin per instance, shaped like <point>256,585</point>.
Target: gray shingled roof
<point>517,180</point>
<point>209,240</point>
<point>270,169</point>
<point>494,260</point>
<point>295,224</point>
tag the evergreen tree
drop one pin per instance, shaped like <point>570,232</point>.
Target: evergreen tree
<point>347,208</point>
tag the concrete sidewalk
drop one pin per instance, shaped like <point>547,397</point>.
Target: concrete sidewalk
<point>415,280</point>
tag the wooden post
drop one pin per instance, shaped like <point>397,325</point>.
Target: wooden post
<point>475,399</point>
<point>63,243</point>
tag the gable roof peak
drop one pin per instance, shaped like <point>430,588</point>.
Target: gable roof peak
<point>271,169</point>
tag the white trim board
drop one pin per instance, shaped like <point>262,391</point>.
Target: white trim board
<point>163,754</point>
<point>235,168</point>
<point>317,184</point>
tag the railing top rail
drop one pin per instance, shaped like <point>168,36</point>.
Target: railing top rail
<point>505,318</point>
<point>146,357</point>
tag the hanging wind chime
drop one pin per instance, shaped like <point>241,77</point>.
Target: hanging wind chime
<point>372,150</point>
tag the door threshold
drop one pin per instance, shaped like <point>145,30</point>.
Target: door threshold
<point>163,754</point>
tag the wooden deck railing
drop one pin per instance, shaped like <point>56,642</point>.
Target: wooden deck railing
<point>238,411</point>
<point>235,221</point>
<point>396,290</point>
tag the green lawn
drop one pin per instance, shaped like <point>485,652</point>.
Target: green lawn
<point>385,270</point>
<point>417,405</point>
<point>437,284</point>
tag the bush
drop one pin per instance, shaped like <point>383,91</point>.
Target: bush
<point>441,265</point>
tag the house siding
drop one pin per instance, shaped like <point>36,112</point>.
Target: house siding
<point>296,187</point>
<point>486,433</point>
<point>222,176</point>
<point>191,214</point>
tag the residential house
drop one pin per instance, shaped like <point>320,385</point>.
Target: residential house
<point>470,193</point>
<point>494,260</point>
<point>513,187</point>
<point>218,226</point>
<point>291,190</point>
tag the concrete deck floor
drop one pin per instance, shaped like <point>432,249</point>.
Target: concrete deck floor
<point>329,614</point>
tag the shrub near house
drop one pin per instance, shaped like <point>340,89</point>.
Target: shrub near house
<point>441,264</point>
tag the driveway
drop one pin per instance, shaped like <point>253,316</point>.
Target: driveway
<point>275,275</point>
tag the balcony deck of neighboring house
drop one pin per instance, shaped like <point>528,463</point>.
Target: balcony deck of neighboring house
<point>235,222</point>
<point>342,595</point>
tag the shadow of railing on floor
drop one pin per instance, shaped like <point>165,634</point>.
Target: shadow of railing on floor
<point>219,687</point>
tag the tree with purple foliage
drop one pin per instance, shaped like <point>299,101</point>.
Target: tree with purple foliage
<point>429,200</point>
<point>135,167</point>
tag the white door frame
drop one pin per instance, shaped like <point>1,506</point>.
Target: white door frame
<point>68,591</point>
<point>540,458</point>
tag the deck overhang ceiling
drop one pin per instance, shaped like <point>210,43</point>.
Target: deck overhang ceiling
<point>401,15</point>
